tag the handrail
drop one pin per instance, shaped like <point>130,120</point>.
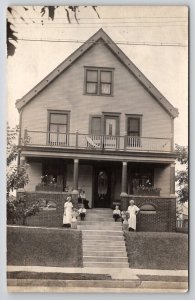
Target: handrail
<point>86,141</point>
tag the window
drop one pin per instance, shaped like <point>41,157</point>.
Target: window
<point>133,131</point>
<point>133,128</point>
<point>96,125</point>
<point>58,128</point>
<point>98,81</point>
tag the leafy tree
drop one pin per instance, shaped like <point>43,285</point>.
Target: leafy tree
<point>17,177</point>
<point>182,175</point>
<point>50,11</point>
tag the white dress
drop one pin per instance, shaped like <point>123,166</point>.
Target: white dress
<point>132,216</point>
<point>67,218</point>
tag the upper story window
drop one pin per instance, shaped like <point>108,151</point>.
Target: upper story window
<point>58,126</point>
<point>99,81</point>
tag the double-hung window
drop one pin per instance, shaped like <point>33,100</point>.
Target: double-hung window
<point>58,128</point>
<point>99,81</point>
<point>133,131</point>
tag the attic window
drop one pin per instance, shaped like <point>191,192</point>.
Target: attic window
<point>98,81</point>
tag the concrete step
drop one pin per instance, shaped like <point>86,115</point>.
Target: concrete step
<point>104,259</point>
<point>105,243</point>
<point>103,247</point>
<point>99,219</point>
<point>101,237</point>
<point>102,223</point>
<point>104,253</point>
<point>99,227</point>
<point>107,233</point>
<point>106,264</point>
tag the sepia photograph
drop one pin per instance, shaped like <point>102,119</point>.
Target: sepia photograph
<point>97,149</point>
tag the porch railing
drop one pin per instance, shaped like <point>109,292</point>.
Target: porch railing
<point>97,142</point>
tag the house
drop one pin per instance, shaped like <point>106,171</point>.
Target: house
<point>97,123</point>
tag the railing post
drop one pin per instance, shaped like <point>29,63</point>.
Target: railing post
<point>125,142</point>
<point>77,139</point>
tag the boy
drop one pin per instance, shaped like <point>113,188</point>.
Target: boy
<point>116,213</point>
<point>82,212</point>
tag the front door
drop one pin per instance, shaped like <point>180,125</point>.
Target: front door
<point>102,181</point>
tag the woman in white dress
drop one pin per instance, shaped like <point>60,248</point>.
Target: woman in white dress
<point>67,217</point>
<point>133,211</point>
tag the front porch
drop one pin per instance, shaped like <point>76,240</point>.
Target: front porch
<point>104,182</point>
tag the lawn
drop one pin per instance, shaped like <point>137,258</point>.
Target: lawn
<point>157,250</point>
<point>44,247</point>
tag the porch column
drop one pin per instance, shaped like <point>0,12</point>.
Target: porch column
<point>124,178</point>
<point>172,179</point>
<point>75,174</point>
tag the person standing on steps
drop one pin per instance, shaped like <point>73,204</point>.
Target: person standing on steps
<point>133,211</point>
<point>67,217</point>
<point>116,213</point>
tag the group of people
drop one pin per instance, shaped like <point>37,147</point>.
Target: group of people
<point>71,214</point>
<point>131,212</point>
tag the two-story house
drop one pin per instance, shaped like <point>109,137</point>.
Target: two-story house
<point>97,123</point>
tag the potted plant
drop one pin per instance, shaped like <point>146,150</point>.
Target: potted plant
<point>146,190</point>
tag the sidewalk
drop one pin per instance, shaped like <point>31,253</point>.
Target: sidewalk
<point>121,280</point>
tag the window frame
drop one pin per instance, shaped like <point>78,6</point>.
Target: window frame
<point>134,116</point>
<point>60,112</point>
<point>99,82</point>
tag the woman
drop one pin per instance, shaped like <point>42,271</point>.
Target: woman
<point>67,218</point>
<point>133,211</point>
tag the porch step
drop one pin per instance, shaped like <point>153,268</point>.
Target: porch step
<point>102,232</point>
<point>105,264</point>
<point>99,227</point>
<point>104,243</point>
<point>102,224</point>
<point>103,247</point>
<point>104,259</point>
<point>105,253</point>
<point>103,238</point>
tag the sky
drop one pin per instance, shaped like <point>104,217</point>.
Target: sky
<point>154,38</point>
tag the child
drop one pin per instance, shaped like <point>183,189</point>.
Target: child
<point>82,212</point>
<point>74,219</point>
<point>116,213</point>
<point>123,216</point>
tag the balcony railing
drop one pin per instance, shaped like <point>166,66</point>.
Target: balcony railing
<point>97,142</point>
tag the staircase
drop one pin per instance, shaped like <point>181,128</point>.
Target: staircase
<point>103,240</point>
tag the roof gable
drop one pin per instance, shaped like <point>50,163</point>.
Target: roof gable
<point>99,37</point>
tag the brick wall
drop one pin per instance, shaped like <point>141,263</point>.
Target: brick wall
<point>164,219</point>
<point>50,217</point>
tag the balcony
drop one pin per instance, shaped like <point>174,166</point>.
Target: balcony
<point>96,142</point>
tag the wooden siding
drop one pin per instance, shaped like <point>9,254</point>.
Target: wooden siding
<point>162,179</point>
<point>34,172</point>
<point>66,92</point>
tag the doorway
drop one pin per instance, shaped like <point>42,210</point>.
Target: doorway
<point>102,186</point>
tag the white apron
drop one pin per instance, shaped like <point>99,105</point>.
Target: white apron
<point>132,216</point>
<point>67,217</point>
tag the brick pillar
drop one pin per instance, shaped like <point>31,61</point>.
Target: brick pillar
<point>172,179</point>
<point>124,178</point>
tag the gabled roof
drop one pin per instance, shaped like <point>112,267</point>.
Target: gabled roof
<point>99,36</point>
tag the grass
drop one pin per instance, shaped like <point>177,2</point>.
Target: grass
<point>157,250</point>
<point>44,247</point>
<point>57,276</point>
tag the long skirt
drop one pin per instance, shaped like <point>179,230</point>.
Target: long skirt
<point>132,221</point>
